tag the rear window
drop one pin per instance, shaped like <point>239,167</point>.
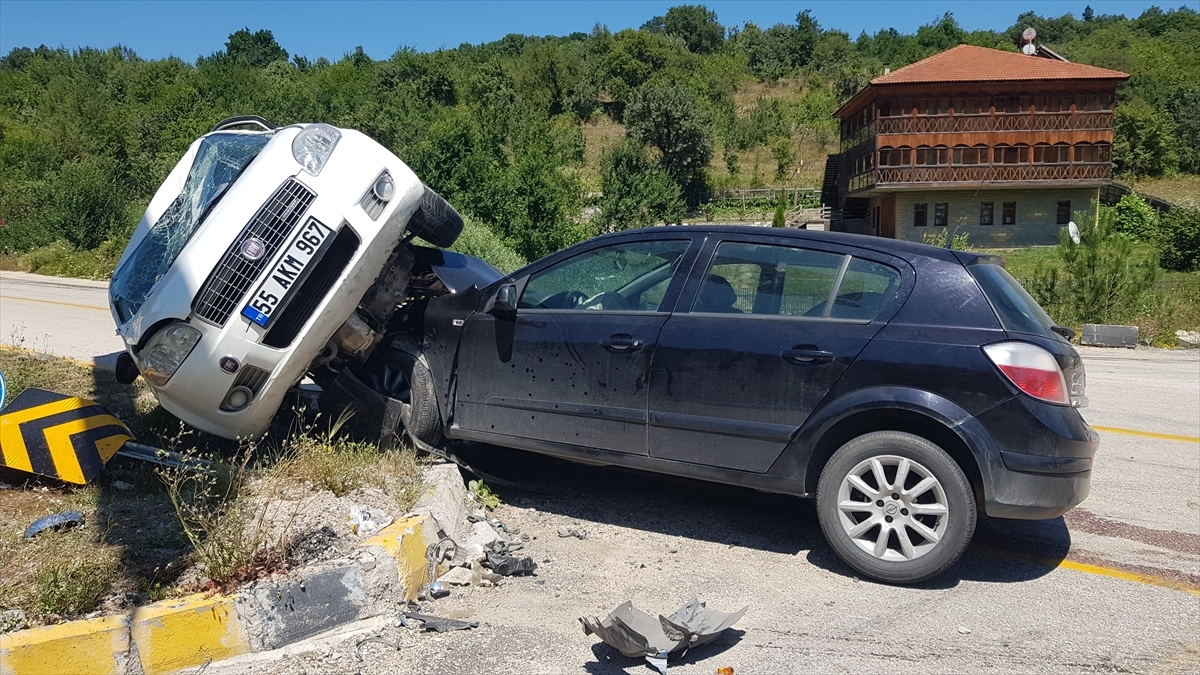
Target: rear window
<point>1018,311</point>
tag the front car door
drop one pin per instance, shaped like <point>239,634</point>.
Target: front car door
<point>764,328</point>
<point>571,365</point>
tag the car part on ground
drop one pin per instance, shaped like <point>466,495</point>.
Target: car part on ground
<point>635,633</point>
<point>58,521</point>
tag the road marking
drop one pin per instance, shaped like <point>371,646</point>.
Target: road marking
<point>1148,434</point>
<point>54,302</point>
<point>1190,589</point>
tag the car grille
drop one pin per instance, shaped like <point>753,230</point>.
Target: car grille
<point>370,203</point>
<point>314,289</point>
<point>233,276</point>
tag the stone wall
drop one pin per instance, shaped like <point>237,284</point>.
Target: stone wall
<point>1037,212</point>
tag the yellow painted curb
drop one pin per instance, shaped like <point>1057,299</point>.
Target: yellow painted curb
<point>405,541</point>
<point>187,632</point>
<point>86,647</point>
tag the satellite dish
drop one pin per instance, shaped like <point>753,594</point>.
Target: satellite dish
<point>1073,230</point>
<point>1028,49</point>
<point>1029,35</point>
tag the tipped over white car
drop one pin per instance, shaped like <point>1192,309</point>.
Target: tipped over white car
<point>266,253</point>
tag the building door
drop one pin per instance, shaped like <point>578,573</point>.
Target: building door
<point>875,220</point>
<point>887,218</point>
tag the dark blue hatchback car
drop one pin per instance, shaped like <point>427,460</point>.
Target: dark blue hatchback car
<point>906,387</point>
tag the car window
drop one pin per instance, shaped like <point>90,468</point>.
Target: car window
<point>767,279</point>
<point>864,291</point>
<point>1018,311</point>
<point>622,277</point>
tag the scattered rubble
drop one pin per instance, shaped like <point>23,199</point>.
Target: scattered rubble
<point>440,624</point>
<point>1187,339</point>
<point>366,521</point>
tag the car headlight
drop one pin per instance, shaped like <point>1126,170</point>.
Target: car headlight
<point>313,146</point>
<point>165,352</point>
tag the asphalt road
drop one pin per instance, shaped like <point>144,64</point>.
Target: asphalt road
<point>1114,586</point>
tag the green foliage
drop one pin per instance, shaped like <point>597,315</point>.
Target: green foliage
<point>672,120</point>
<point>477,240</point>
<point>959,242</point>
<point>1178,239</point>
<point>1098,280</point>
<point>779,220</point>
<point>1144,139</point>
<point>1134,218</point>
<point>636,193</point>
<point>696,25</point>
<point>483,494</point>
<point>252,49</point>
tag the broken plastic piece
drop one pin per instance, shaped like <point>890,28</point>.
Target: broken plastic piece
<point>507,565</point>
<point>441,624</point>
<point>438,590</point>
<point>725,670</point>
<point>578,534</point>
<point>659,661</point>
<point>59,520</point>
<point>635,633</point>
<point>366,521</point>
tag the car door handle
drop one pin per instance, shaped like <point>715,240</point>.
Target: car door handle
<point>621,344</point>
<point>807,357</point>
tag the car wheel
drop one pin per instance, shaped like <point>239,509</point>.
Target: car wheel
<point>895,507</point>
<point>435,220</point>
<point>423,419</point>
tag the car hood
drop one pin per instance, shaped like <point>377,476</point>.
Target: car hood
<point>458,271</point>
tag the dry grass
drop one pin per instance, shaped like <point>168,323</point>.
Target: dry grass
<point>1175,189</point>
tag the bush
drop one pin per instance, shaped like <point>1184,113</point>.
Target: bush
<point>1099,280</point>
<point>1178,239</point>
<point>1133,217</point>
<point>477,240</point>
<point>636,192</point>
<point>780,219</point>
<point>958,242</point>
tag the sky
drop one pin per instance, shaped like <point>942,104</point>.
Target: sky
<point>188,29</point>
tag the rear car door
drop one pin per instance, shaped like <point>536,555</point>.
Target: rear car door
<point>763,330</point>
<point>572,365</point>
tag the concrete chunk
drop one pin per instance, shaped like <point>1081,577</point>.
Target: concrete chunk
<point>1101,335</point>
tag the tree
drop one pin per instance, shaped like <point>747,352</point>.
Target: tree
<point>1178,239</point>
<point>1185,109</point>
<point>1136,219</point>
<point>696,25</point>
<point>672,120</point>
<point>1143,139</point>
<point>780,219</point>
<point>253,49</point>
<point>636,193</point>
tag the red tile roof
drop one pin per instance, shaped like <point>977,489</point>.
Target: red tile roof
<point>968,63</point>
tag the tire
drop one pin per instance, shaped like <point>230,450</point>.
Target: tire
<point>435,220</point>
<point>400,375</point>
<point>853,520</point>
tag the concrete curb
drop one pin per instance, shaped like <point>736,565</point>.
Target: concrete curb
<point>389,569</point>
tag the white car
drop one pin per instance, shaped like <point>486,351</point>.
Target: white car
<point>265,253</point>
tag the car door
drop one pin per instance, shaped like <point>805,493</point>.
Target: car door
<point>764,328</point>
<point>571,365</point>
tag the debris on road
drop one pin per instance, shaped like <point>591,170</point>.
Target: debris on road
<point>963,630</point>
<point>457,576</point>
<point>366,521</point>
<point>11,620</point>
<point>437,590</point>
<point>358,646</point>
<point>635,633</point>
<point>440,624</point>
<point>578,534</point>
<point>57,521</point>
<point>507,565</point>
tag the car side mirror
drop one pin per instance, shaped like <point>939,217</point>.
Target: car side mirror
<point>506,300</point>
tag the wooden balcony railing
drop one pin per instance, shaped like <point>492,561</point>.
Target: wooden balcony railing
<point>943,124</point>
<point>977,174</point>
<point>857,137</point>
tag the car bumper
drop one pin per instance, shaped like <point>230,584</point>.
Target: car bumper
<point>1043,464</point>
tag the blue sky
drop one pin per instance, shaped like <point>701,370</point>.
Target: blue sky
<point>188,29</point>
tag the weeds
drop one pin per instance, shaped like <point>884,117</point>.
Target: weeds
<point>483,494</point>
<point>74,586</point>
<point>958,242</point>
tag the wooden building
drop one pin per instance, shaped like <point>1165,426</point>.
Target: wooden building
<point>1000,145</point>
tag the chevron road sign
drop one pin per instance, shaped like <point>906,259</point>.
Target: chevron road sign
<point>59,436</point>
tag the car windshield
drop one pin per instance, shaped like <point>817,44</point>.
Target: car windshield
<point>219,160</point>
<point>1018,311</point>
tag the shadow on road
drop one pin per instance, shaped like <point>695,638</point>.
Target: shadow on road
<point>740,517</point>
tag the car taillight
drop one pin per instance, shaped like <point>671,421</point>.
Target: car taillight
<point>1032,369</point>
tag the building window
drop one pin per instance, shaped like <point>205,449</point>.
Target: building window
<point>938,156</point>
<point>1051,154</point>
<point>985,213</point>
<point>1011,154</point>
<point>1010,213</point>
<point>1104,152</point>
<point>939,214</point>
<point>1064,213</point>
<point>1086,153</point>
<point>919,211</point>
<point>895,156</point>
<point>964,156</point>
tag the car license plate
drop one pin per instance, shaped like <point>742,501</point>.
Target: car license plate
<point>288,273</point>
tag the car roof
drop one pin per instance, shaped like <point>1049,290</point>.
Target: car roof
<point>896,247</point>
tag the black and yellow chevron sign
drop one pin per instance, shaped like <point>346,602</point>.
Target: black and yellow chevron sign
<point>59,436</point>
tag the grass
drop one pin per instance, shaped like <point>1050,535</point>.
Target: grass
<point>1178,189</point>
<point>150,534</point>
<point>60,259</point>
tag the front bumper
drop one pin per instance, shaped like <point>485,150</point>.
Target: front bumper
<point>1042,466</point>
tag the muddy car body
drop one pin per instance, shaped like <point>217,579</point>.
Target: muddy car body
<point>906,387</point>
